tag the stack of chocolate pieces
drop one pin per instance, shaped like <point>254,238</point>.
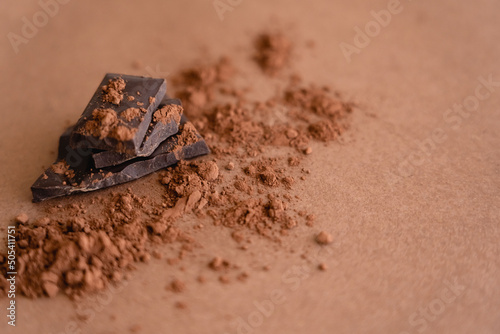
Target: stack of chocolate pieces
<point>129,129</point>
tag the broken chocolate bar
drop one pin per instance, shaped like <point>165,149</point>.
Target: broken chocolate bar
<point>119,113</point>
<point>165,123</point>
<point>74,171</point>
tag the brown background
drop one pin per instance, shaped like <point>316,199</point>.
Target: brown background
<point>397,238</point>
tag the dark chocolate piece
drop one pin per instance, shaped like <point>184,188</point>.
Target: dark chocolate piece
<point>74,172</point>
<point>161,127</point>
<point>118,115</point>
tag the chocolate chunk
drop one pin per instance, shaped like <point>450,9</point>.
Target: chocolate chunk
<point>76,173</point>
<point>118,115</point>
<point>165,123</point>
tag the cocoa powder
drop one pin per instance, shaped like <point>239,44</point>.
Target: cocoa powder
<point>272,52</point>
<point>240,187</point>
<point>113,91</point>
<point>130,113</point>
<point>168,113</point>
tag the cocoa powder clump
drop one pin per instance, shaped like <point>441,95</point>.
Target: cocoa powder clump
<point>22,218</point>
<point>177,286</point>
<point>62,168</point>
<point>113,91</point>
<point>218,264</point>
<point>168,113</point>
<point>324,238</point>
<point>199,83</point>
<point>122,133</point>
<point>102,123</point>
<point>130,114</point>
<point>105,123</point>
<point>272,52</point>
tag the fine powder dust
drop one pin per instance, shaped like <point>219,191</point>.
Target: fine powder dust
<point>240,186</point>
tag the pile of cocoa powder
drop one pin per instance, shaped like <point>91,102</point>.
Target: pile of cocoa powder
<point>240,186</point>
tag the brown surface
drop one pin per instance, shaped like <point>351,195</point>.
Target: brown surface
<point>396,240</point>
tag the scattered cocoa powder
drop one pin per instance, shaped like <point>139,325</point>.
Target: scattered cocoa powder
<point>199,83</point>
<point>310,219</point>
<point>63,168</point>
<point>60,167</point>
<point>75,252</point>
<point>293,161</point>
<point>187,136</point>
